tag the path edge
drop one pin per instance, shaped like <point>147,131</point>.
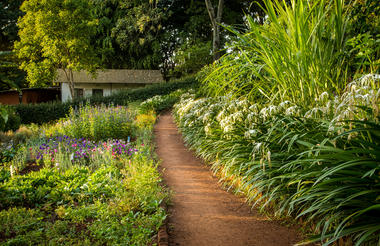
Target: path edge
<point>163,236</point>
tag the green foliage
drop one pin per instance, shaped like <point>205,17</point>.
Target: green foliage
<point>136,33</point>
<point>161,103</point>
<point>55,34</point>
<point>48,112</point>
<point>9,119</point>
<point>112,200</point>
<point>3,118</point>
<point>320,165</point>
<point>10,75</point>
<point>365,53</point>
<point>295,55</point>
<point>190,58</point>
<point>9,13</point>
<point>42,112</point>
<point>98,207</point>
<point>96,123</point>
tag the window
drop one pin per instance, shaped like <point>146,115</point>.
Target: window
<point>97,92</point>
<point>78,93</point>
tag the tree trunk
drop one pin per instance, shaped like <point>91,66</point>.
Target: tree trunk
<point>70,80</point>
<point>215,22</point>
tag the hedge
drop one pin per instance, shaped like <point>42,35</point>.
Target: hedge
<point>47,112</point>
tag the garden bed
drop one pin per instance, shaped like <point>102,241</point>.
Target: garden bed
<point>84,182</point>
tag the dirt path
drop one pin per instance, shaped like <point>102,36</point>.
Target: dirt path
<point>201,212</point>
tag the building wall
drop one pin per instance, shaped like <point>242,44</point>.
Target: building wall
<point>108,88</point>
<point>115,76</point>
<point>9,97</point>
<point>109,80</point>
<point>31,95</point>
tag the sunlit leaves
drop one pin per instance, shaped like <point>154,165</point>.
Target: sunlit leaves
<point>55,34</point>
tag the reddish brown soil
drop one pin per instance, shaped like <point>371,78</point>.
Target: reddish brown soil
<point>202,213</point>
<point>30,167</point>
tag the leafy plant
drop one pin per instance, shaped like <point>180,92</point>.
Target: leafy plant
<point>317,164</point>
<point>295,55</point>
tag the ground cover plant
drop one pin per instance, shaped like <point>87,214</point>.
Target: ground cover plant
<point>64,188</point>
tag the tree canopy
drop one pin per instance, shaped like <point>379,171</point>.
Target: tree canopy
<point>129,34</point>
<point>56,34</point>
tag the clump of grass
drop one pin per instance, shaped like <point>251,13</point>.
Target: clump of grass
<point>296,55</point>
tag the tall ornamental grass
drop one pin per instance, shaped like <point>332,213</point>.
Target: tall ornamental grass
<point>320,165</point>
<point>296,55</point>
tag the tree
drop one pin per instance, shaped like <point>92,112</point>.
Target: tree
<point>215,22</point>
<point>129,33</point>
<point>56,34</point>
<point>137,33</point>
<point>10,76</point>
<point>9,13</point>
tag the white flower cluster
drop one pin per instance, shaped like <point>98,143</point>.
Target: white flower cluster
<point>361,93</point>
<point>239,117</point>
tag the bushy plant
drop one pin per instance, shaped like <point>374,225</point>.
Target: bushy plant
<point>96,123</point>
<point>161,103</point>
<point>81,206</point>
<point>9,119</point>
<point>42,112</point>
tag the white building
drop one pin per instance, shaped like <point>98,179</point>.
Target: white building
<point>106,82</point>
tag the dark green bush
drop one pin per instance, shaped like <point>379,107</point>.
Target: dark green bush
<point>12,121</point>
<point>43,112</point>
<point>47,112</point>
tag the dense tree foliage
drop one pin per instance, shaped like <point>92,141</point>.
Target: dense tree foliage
<point>56,34</point>
<point>10,76</point>
<point>9,13</point>
<point>127,34</point>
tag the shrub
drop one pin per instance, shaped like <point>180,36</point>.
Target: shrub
<point>161,103</point>
<point>42,112</point>
<point>9,119</point>
<point>95,122</point>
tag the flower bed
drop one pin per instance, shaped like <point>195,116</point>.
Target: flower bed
<point>87,189</point>
<point>320,165</point>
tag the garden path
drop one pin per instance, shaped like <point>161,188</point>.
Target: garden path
<point>202,213</point>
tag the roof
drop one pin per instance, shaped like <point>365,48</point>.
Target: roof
<point>122,76</point>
